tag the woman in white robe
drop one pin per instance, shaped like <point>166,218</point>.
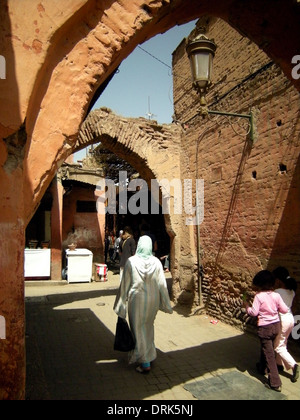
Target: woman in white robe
<point>144,290</point>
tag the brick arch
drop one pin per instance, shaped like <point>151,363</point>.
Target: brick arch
<point>76,65</point>
<point>142,143</point>
<point>152,149</point>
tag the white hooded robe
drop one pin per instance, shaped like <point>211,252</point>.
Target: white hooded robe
<point>144,291</point>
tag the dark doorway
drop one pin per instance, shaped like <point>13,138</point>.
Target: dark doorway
<point>156,223</point>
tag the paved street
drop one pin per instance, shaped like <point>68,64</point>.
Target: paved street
<point>69,345</point>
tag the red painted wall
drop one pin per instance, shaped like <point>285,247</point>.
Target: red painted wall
<point>84,228</point>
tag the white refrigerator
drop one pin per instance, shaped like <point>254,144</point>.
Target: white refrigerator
<point>79,265</point>
<point>37,263</point>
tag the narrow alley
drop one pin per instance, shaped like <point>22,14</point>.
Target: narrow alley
<point>69,350</point>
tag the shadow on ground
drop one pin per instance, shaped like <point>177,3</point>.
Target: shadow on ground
<point>70,356</point>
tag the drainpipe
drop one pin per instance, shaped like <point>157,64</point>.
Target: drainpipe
<point>199,257</point>
<point>200,268</point>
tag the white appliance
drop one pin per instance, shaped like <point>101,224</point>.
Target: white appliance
<point>37,262</point>
<point>79,265</point>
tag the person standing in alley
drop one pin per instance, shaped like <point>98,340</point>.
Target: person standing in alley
<point>117,247</point>
<point>111,245</point>
<point>266,306</point>
<point>144,289</point>
<point>127,248</point>
<point>106,245</point>
<point>166,263</point>
<point>287,287</point>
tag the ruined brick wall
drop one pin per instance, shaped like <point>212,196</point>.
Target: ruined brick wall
<point>251,190</point>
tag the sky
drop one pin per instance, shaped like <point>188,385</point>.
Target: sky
<point>144,81</point>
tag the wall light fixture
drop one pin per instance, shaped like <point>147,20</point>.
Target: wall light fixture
<point>201,52</point>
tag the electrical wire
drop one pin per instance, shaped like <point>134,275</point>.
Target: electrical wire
<point>239,82</point>
<point>162,62</point>
<point>155,58</point>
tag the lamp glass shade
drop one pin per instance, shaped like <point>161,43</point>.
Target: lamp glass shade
<point>201,52</point>
<point>201,66</point>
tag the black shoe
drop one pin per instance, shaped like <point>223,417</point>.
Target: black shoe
<point>273,388</point>
<point>295,373</point>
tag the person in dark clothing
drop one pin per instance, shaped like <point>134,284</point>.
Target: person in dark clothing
<point>117,247</point>
<point>106,245</point>
<point>127,248</point>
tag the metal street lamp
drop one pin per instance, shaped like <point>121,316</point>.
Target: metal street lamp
<point>201,52</point>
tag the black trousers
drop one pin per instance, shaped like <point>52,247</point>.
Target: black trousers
<point>267,335</point>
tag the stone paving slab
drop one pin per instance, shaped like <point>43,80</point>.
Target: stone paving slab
<point>232,386</point>
<point>69,348</point>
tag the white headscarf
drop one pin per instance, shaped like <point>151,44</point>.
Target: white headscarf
<point>144,247</point>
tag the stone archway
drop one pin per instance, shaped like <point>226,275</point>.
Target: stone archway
<point>70,53</point>
<point>70,61</point>
<point>152,149</point>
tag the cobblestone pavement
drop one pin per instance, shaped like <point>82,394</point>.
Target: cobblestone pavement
<point>69,349</point>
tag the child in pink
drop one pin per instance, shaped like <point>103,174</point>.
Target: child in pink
<point>287,290</point>
<point>266,306</point>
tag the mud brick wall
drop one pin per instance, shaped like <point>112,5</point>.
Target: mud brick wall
<point>252,203</point>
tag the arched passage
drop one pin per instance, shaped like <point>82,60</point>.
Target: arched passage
<point>70,52</point>
<point>93,40</point>
<point>152,149</point>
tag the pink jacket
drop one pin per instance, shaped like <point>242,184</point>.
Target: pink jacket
<point>267,305</point>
